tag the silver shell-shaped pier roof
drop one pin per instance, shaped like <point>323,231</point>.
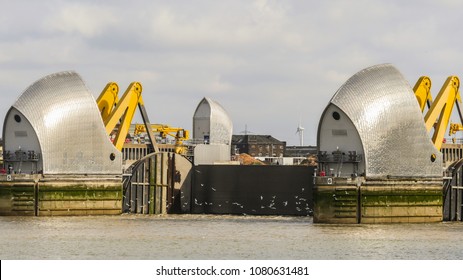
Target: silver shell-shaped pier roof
<point>375,116</point>
<point>58,119</point>
<point>212,123</point>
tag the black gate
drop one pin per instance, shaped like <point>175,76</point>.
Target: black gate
<point>252,190</point>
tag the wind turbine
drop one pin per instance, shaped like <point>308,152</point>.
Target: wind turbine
<point>300,130</point>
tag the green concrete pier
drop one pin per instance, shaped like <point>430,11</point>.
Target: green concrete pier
<point>351,201</point>
<point>33,195</point>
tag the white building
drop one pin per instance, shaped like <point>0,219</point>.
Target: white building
<point>55,128</point>
<point>213,129</point>
<point>373,127</point>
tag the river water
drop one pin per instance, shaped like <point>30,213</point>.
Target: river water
<point>222,237</point>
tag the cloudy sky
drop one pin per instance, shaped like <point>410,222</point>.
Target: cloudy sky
<point>271,64</point>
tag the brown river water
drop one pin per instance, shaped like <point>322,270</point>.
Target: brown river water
<point>222,237</point>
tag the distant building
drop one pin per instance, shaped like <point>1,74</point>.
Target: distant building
<point>258,145</point>
<point>300,151</point>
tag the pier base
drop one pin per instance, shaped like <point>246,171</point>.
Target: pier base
<point>32,195</point>
<point>356,200</point>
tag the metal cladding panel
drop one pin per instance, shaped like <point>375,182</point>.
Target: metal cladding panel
<point>221,126</point>
<point>69,127</point>
<point>211,153</point>
<point>383,108</point>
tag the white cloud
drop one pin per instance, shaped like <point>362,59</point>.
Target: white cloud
<point>42,51</point>
<point>248,27</point>
<point>268,56</point>
<point>87,20</point>
<point>217,84</point>
<point>336,76</point>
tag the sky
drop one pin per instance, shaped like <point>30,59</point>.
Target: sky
<point>273,65</point>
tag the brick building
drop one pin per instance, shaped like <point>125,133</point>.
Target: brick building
<point>258,145</point>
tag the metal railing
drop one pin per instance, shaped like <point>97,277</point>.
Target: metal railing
<point>20,155</point>
<point>351,156</point>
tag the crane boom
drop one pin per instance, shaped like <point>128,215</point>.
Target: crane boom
<point>108,100</point>
<point>422,91</point>
<point>179,134</point>
<point>164,130</point>
<point>116,111</point>
<point>438,115</point>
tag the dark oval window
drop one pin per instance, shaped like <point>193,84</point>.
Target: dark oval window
<point>433,157</point>
<point>17,118</point>
<point>336,116</point>
<point>112,156</point>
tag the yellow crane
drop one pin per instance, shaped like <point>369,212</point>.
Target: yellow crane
<point>440,110</point>
<point>119,113</point>
<point>108,100</point>
<point>179,134</point>
<point>422,91</point>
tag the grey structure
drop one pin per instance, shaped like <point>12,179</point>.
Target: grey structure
<point>373,126</point>
<point>212,132</point>
<point>55,128</point>
<point>211,123</point>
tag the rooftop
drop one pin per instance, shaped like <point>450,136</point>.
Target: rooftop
<point>258,139</point>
